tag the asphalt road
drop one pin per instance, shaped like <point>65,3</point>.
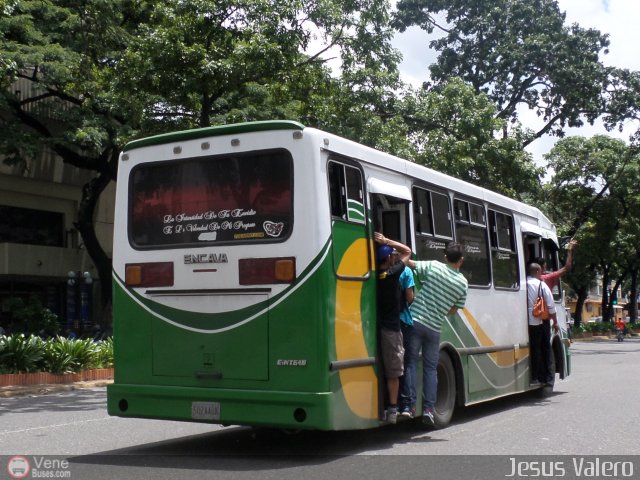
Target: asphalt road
<point>592,412</point>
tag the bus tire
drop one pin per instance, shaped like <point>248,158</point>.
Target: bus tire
<point>446,397</point>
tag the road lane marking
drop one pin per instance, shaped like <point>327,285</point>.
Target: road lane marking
<point>57,425</point>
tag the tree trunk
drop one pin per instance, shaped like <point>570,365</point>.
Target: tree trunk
<point>605,295</point>
<point>86,227</point>
<point>582,297</point>
<point>633,300</point>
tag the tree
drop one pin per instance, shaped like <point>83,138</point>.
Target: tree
<point>65,51</point>
<point>103,73</point>
<point>518,52</point>
<point>204,63</point>
<point>453,129</point>
<point>591,197</point>
<point>628,193</point>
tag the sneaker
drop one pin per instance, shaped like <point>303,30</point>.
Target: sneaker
<point>428,418</point>
<point>407,411</point>
<point>392,415</point>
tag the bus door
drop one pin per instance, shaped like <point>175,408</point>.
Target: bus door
<point>541,247</point>
<point>560,344</point>
<point>355,316</point>
<point>544,250</point>
<point>390,206</point>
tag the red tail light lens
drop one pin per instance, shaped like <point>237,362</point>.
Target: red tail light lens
<point>259,271</point>
<point>156,274</point>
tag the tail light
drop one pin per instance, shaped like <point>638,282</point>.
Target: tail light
<point>258,271</point>
<point>156,274</point>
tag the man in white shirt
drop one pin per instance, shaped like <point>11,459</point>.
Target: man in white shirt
<point>540,330</point>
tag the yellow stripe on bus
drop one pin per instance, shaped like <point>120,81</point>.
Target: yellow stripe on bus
<point>359,385</point>
<point>505,358</point>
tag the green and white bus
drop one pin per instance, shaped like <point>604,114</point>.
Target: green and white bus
<point>245,285</point>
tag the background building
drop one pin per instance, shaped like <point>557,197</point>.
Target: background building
<point>592,308</point>
<point>41,253</point>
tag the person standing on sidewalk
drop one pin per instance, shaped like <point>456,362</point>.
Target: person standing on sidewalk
<point>391,265</point>
<point>443,292</point>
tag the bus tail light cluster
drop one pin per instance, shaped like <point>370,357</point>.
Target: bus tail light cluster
<point>258,271</point>
<point>155,274</point>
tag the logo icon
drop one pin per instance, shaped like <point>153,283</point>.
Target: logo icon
<point>273,229</point>
<point>18,467</point>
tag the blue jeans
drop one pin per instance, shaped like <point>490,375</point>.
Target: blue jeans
<point>427,340</point>
<point>408,385</point>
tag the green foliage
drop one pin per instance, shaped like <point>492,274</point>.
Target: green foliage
<point>56,355</point>
<point>597,328</point>
<point>518,52</point>
<point>30,317</point>
<point>55,358</point>
<point>21,354</point>
<point>594,196</point>
<point>81,352</point>
<point>94,75</point>
<point>196,63</point>
<point>454,130</point>
<point>104,353</point>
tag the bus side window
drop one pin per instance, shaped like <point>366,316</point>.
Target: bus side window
<point>432,214</point>
<point>346,192</point>
<point>503,251</point>
<point>471,232</point>
<point>336,191</point>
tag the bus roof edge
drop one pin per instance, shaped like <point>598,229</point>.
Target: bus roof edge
<point>213,132</point>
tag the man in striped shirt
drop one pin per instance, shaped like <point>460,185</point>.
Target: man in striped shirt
<point>443,292</point>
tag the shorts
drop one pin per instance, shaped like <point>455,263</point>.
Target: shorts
<point>392,353</point>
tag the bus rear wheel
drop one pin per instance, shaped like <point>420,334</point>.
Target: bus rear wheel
<point>446,398</point>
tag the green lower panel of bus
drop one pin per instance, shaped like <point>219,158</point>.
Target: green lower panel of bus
<point>291,410</point>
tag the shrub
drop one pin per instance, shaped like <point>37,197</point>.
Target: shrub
<point>579,329</point>
<point>21,354</point>
<point>81,351</point>
<point>57,358</point>
<point>105,353</point>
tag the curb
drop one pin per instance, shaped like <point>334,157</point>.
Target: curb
<point>49,388</point>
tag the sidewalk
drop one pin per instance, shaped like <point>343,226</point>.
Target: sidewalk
<point>44,389</point>
<point>603,337</point>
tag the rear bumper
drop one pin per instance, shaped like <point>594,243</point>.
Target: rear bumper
<point>296,410</point>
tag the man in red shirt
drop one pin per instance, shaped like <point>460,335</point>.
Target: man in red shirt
<point>552,278</point>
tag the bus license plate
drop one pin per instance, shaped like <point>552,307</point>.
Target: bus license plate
<point>205,410</point>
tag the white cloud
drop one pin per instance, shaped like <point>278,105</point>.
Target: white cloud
<point>416,54</point>
<point>618,18</point>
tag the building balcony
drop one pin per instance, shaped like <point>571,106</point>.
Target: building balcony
<point>18,260</point>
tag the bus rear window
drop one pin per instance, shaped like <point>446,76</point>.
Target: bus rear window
<point>238,198</point>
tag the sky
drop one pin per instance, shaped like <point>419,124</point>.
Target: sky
<point>618,18</point>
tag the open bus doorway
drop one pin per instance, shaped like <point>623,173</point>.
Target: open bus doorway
<point>391,218</point>
<point>544,251</point>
